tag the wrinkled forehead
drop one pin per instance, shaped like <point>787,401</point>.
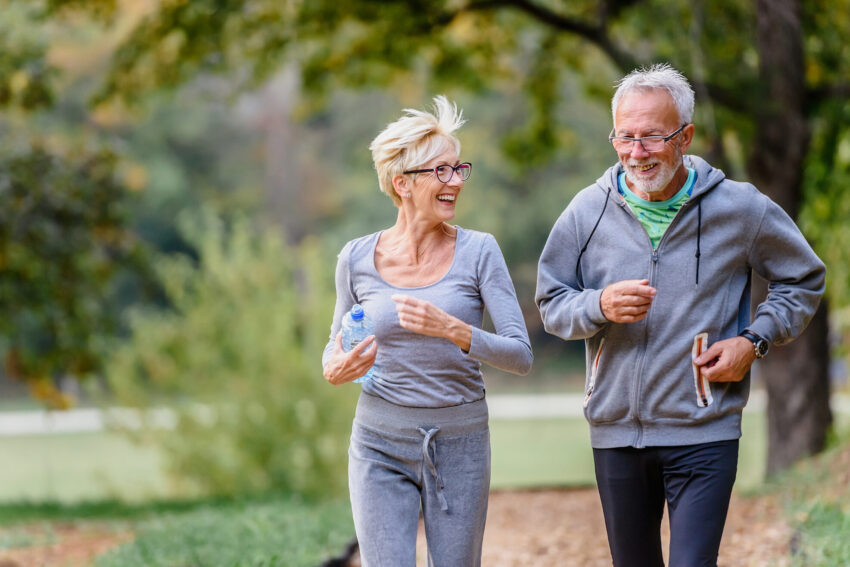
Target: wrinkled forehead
<point>643,109</point>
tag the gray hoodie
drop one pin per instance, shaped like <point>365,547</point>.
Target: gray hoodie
<point>641,386</point>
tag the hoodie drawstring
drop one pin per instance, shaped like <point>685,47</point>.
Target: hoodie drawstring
<point>599,219</point>
<point>586,242</point>
<point>699,235</point>
<point>432,463</point>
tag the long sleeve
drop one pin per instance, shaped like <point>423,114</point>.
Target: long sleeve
<point>796,277</point>
<point>509,347</point>
<point>344,299</point>
<point>567,310</point>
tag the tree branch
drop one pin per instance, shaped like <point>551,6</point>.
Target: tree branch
<point>822,93</point>
<point>596,34</point>
<point>730,99</point>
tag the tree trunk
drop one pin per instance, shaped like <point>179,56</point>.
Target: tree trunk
<point>798,412</point>
<point>796,375</point>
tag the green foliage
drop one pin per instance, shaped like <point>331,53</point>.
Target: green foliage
<point>25,75</point>
<point>281,532</point>
<point>63,242</point>
<point>815,493</point>
<point>824,540</point>
<point>827,208</point>
<point>237,357</point>
<point>175,40</point>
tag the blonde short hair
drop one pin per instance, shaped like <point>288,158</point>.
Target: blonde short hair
<point>413,140</point>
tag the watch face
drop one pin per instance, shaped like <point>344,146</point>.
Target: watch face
<point>760,344</point>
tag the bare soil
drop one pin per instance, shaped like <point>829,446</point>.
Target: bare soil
<point>565,528</point>
<point>534,528</point>
<point>63,545</point>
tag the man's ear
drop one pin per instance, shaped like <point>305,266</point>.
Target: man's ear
<point>687,137</point>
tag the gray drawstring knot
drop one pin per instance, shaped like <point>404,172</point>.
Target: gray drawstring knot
<point>432,463</point>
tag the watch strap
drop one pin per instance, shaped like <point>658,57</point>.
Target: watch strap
<point>760,344</point>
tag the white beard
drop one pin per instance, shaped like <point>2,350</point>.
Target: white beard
<point>663,175</point>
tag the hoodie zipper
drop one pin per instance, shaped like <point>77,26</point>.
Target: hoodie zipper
<point>638,440</point>
<point>653,273</point>
<point>636,396</point>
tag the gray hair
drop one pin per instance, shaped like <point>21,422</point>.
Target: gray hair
<point>658,76</point>
<point>415,139</point>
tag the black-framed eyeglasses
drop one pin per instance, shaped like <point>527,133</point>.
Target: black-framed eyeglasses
<point>444,172</point>
<point>651,144</point>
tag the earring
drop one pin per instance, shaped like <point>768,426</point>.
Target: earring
<point>408,195</point>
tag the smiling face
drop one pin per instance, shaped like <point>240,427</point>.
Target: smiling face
<point>430,197</point>
<point>653,176</point>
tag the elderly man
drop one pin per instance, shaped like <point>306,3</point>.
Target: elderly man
<point>651,266</point>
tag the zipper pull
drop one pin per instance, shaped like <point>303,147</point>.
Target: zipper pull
<point>654,257</point>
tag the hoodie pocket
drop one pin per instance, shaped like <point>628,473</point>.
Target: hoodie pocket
<point>701,383</point>
<point>591,385</point>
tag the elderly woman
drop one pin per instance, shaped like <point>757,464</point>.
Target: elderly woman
<point>420,436</point>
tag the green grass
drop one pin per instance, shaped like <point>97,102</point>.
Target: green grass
<point>74,468</point>
<point>823,538</point>
<point>281,532</point>
<point>556,452</point>
<point>816,493</point>
<point>541,452</point>
<point>80,466</point>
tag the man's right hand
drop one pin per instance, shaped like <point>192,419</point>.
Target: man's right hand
<point>627,301</point>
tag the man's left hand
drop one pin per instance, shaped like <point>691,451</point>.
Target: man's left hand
<point>727,360</point>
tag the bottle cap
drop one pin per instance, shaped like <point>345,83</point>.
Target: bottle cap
<point>356,312</point>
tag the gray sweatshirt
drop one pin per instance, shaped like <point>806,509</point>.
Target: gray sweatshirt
<point>641,387</point>
<point>420,371</point>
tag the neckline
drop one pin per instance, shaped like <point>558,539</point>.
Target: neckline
<point>460,233</point>
<point>629,195</point>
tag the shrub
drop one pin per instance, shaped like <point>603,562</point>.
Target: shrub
<point>237,358</point>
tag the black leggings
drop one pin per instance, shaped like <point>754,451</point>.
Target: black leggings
<point>696,482</point>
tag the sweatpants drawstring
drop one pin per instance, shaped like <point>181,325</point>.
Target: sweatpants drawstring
<point>432,463</point>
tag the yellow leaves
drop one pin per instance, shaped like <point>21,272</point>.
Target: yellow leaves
<point>112,113</point>
<point>134,176</point>
<point>19,81</point>
<point>45,391</point>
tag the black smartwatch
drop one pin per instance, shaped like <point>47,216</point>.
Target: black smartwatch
<point>760,345</point>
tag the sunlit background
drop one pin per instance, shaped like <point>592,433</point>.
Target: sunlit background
<point>176,179</point>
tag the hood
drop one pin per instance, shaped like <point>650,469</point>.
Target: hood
<point>708,177</point>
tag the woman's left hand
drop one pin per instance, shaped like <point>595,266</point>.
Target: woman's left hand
<point>425,318</point>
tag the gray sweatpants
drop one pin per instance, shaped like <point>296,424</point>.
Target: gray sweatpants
<point>401,459</point>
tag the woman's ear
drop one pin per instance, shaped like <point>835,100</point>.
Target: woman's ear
<point>401,184</point>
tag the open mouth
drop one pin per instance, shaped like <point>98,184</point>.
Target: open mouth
<point>643,168</point>
<point>447,198</point>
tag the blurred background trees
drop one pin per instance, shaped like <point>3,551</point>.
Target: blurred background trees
<point>263,110</point>
<point>63,244</point>
<point>234,358</point>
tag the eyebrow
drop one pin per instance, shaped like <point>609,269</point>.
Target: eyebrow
<point>628,134</point>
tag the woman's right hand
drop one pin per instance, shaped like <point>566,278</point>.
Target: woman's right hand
<point>344,367</point>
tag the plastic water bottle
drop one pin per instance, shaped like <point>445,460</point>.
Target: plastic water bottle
<point>356,326</point>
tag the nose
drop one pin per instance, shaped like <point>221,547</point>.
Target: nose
<point>456,179</point>
<point>638,151</point>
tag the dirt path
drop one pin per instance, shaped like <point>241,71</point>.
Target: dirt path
<point>60,545</point>
<point>536,528</point>
<point>564,528</point>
